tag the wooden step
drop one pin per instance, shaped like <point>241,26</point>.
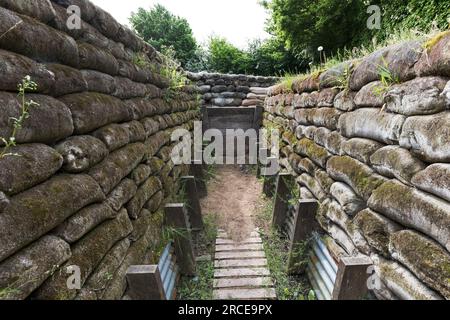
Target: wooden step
<point>226,255</point>
<point>245,294</point>
<point>242,247</point>
<point>241,263</point>
<point>241,272</point>
<point>246,241</point>
<point>243,282</point>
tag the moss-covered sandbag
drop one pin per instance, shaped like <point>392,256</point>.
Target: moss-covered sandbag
<point>361,149</point>
<point>36,128</point>
<point>36,211</point>
<point>86,254</point>
<point>435,59</point>
<point>79,224</point>
<point>347,198</point>
<point>316,153</point>
<point>376,229</point>
<point>359,176</point>
<point>67,80</point>
<point>396,162</point>
<point>29,165</point>
<point>372,124</point>
<point>99,82</point>
<point>428,137</point>
<point>434,179</point>
<point>114,136</point>
<point>121,194</point>
<point>25,271</point>
<point>426,259</point>
<point>81,153</point>
<point>92,110</point>
<point>36,40</point>
<point>117,166</point>
<point>15,67</point>
<point>94,58</point>
<point>143,194</point>
<point>414,209</point>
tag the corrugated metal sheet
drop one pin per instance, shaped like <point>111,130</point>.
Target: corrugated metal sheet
<point>169,271</point>
<point>322,269</point>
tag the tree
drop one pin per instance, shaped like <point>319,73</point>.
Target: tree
<point>224,57</point>
<point>162,29</point>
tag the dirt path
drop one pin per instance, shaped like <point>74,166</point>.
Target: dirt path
<point>233,197</point>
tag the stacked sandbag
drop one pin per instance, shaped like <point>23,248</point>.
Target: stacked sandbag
<point>377,158</point>
<point>230,90</point>
<point>92,167</point>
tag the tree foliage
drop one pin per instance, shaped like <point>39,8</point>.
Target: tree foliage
<point>162,29</point>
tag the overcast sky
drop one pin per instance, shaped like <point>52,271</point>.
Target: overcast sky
<point>236,20</point>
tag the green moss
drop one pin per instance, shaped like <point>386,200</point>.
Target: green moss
<point>428,45</point>
<point>316,153</point>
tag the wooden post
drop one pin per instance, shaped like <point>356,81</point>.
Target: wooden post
<point>304,225</point>
<point>269,180</point>
<point>263,154</point>
<point>351,279</point>
<point>176,218</point>
<point>258,118</point>
<point>193,203</point>
<point>281,204</point>
<point>197,171</point>
<point>144,283</point>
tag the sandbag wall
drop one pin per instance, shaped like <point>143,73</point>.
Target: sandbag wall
<point>376,155</point>
<point>83,191</point>
<point>229,90</point>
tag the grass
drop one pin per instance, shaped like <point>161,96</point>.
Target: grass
<point>276,249</point>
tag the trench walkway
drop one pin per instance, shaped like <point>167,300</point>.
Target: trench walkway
<point>241,269</point>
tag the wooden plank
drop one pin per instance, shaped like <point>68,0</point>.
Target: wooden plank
<point>243,247</point>
<point>241,263</point>
<point>241,272</point>
<point>144,283</point>
<point>243,282</point>
<point>193,202</point>
<point>239,255</point>
<point>281,200</point>
<point>245,294</point>
<point>351,279</point>
<point>246,241</point>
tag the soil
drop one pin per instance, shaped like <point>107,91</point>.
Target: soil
<point>234,198</point>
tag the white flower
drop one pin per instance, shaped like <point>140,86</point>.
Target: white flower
<point>320,48</point>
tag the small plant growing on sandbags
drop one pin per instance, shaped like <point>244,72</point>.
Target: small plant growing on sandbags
<point>27,85</point>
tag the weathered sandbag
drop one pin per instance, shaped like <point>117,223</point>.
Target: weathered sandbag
<point>361,149</point>
<point>87,8</point>
<point>376,229</point>
<point>4,201</point>
<point>36,211</point>
<point>414,209</point>
<point>426,259</point>
<point>141,225</point>
<point>28,269</point>
<point>345,101</point>
<point>140,108</point>
<point>372,124</point>
<point>357,175</point>
<point>306,194</point>
<point>29,165</point>
<point>324,180</point>
<point>141,173</point>
<point>155,202</point>
<point>86,254</point>
<point>91,110</point>
<point>348,200</point>
<point>343,239</point>
<point>336,75</point>
<point>136,131</point>
<point>110,263</point>
<point>81,153</point>
<point>151,126</point>
<point>324,117</point>
<point>399,59</point>
<point>114,136</point>
<point>334,142</point>
<point>117,166</point>
<point>305,165</point>
<point>37,41</point>
<point>326,97</point>
<point>15,67</point>
<point>99,82</point>
<point>48,122</point>
<point>371,95</point>
<point>312,185</point>
<point>67,80</point>
<point>97,59</point>
<point>154,143</point>
<point>316,153</point>
<point>40,10</point>
<point>121,194</point>
<point>128,89</point>
<point>402,282</point>
<point>434,179</point>
<point>428,137</point>
<point>337,215</point>
<point>321,135</point>
<point>396,162</point>
<point>435,60</point>
<point>420,96</point>
<point>79,224</point>
<point>105,23</point>
<point>308,84</point>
